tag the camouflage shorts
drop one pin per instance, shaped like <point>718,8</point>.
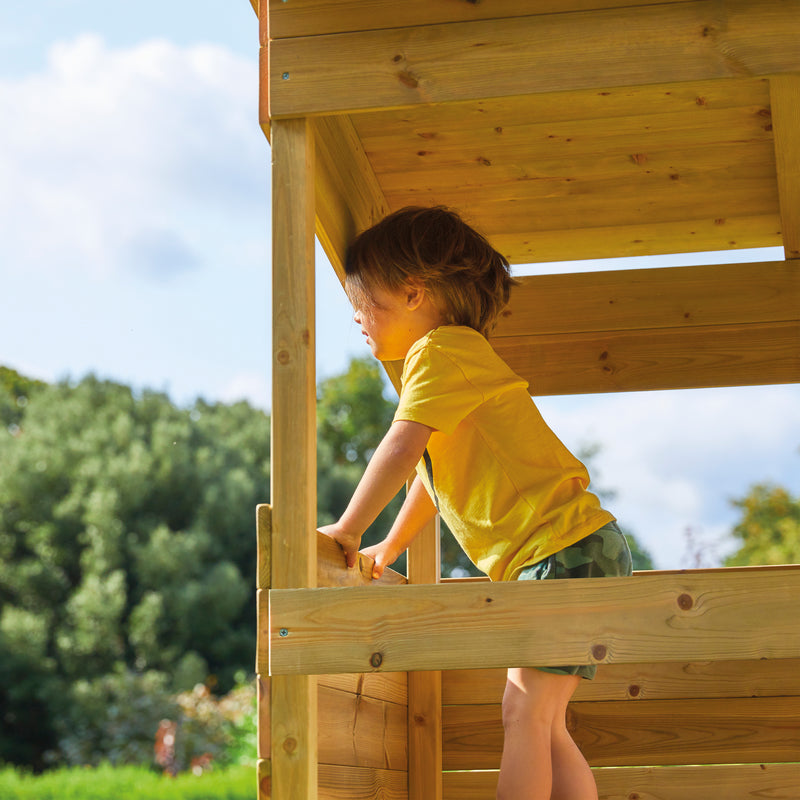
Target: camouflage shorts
<point>602,554</point>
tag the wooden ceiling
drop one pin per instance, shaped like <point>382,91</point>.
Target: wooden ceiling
<point>588,129</point>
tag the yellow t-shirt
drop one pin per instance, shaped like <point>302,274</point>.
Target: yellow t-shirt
<point>508,489</point>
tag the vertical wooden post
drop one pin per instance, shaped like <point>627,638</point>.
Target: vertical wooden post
<point>425,688</point>
<point>784,93</point>
<point>293,717</point>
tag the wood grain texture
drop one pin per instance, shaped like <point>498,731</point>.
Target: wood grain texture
<point>332,569</point>
<point>646,733</point>
<point>690,616</point>
<point>734,782</point>
<point>785,100</point>
<point>635,682</point>
<point>623,361</point>
<point>263,546</point>
<point>293,711</point>
<point>338,782</point>
<point>531,54</point>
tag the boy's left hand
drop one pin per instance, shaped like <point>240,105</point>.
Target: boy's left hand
<point>349,542</point>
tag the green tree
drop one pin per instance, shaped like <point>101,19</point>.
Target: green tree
<point>126,544</point>
<point>769,530</point>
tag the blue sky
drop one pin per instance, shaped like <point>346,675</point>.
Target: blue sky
<point>134,243</point>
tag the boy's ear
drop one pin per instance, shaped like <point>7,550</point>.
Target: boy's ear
<point>415,294</point>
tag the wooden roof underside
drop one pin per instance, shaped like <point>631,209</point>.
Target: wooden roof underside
<point>576,132</point>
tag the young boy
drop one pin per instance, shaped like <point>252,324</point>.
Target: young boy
<point>427,289</point>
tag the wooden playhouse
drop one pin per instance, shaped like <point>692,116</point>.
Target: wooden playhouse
<point>564,130</point>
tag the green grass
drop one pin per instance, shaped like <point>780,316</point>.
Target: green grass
<point>127,783</point>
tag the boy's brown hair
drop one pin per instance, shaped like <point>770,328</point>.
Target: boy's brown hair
<point>467,278</point>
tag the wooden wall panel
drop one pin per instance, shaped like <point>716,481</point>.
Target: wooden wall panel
<point>361,783</point>
<point>487,58</point>
<point>734,782</point>
<point>670,680</point>
<point>644,733</point>
<point>683,617</point>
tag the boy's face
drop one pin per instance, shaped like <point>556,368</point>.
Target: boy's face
<point>393,321</point>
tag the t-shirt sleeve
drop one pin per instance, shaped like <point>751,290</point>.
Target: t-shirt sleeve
<point>435,390</point>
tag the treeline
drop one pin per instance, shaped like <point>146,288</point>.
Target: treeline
<point>127,566</point>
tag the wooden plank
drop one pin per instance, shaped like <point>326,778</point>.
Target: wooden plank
<point>349,198</point>
<point>646,733</point>
<point>716,355</point>
<point>766,678</point>
<point>293,476</point>
<point>686,617</point>
<point>360,731</point>
<point>425,688</point>
<point>391,686</point>
<point>488,58</point>
<point>316,17</point>
<point>263,546</point>
<point>664,238</point>
<point>332,569</point>
<point>361,783</point>
<point>731,782</point>
<point>785,99</point>
<point>676,297</point>
<point>264,737</point>
<point>264,779</point>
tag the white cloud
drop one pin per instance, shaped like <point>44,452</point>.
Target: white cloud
<point>677,459</point>
<point>126,159</point>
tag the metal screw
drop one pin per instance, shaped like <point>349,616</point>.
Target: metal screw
<point>284,632</point>
<point>285,76</point>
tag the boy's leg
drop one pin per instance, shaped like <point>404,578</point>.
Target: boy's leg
<point>540,759</point>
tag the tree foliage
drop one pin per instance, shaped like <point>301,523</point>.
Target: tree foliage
<point>126,544</point>
<point>769,530</point>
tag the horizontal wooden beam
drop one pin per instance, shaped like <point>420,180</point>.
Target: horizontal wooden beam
<point>628,361</point>
<point>603,48</point>
<point>332,569</point>
<point>778,677</point>
<point>732,782</point>
<point>642,299</point>
<point>317,17</point>
<point>685,617</point>
<point>646,733</point>
<point>685,327</point>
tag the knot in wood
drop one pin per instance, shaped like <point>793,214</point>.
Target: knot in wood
<point>283,357</point>
<point>685,601</point>
<point>599,652</point>
<point>289,744</point>
<point>376,659</point>
<point>634,690</point>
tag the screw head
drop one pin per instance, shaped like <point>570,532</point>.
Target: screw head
<point>284,632</point>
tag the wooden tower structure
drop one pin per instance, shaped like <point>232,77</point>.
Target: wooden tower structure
<point>563,130</point>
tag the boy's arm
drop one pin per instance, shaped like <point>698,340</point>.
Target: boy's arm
<point>388,470</point>
<point>417,511</point>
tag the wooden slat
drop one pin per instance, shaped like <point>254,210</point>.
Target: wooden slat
<point>316,17</point>
<point>730,355</point>
<point>349,198</point>
<point>678,297</point>
<point>646,733</point>
<point>263,546</point>
<point>549,53</point>
<point>264,779</point>
<point>293,441</point>
<point>361,783</point>
<point>687,617</point>
<point>635,682</point>
<point>657,238</point>
<point>425,688</point>
<point>390,686</point>
<point>785,99</point>
<point>731,782</point>
<point>360,731</point>
<point>332,569</point>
